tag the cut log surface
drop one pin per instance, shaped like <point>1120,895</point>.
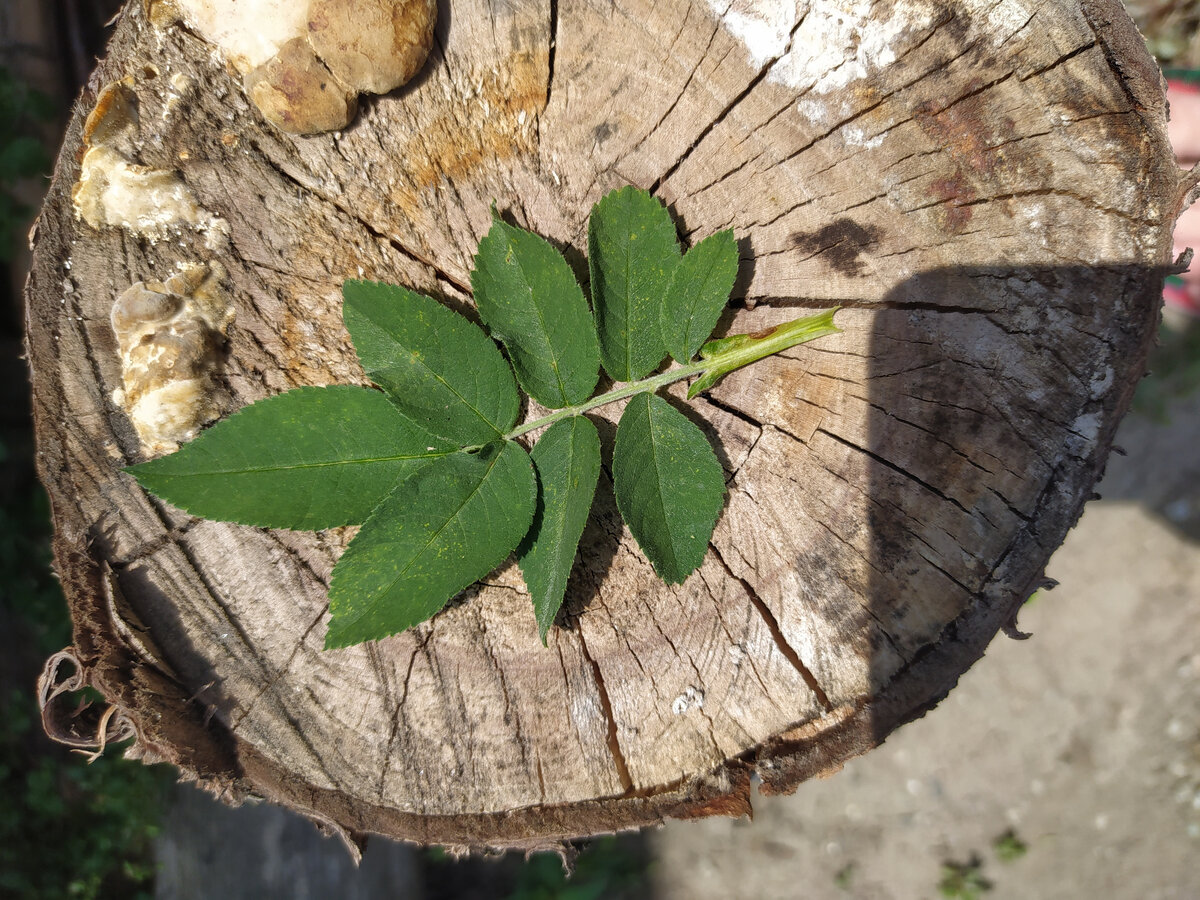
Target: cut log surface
<point>984,185</point>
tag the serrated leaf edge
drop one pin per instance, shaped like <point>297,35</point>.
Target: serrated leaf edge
<point>483,480</point>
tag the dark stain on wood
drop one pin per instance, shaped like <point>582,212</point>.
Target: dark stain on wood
<point>984,148</point>
<point>840,243</point>
<point>603,132</point>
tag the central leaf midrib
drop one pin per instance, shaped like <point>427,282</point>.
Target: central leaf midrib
<point>424,365</point>
<point>482,479</point>
<point>358,460</point>
<point>695,303</point>
<point>562,388</point>
<point>628,342</point>
<point>561,519</point>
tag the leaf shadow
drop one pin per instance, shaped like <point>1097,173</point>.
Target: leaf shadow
<point>190,665</point>
<point>745,273</point>
<point>599,543</point>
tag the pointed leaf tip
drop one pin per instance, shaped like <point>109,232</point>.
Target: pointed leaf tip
<point>697,294</point>
<point>567,462</point>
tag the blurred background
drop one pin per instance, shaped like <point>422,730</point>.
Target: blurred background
<point>1066,766</point>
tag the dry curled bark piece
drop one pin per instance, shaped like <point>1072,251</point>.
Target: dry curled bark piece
<point>988,194</point>
<point>80,726</point>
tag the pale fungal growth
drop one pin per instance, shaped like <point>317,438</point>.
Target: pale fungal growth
<point>249,32</point>
<point>114,191</point>
<point>305,63</point>
<point>113,122</point>
<point>170,337</point>
<point>297,93</point>
<point>155,203</point>
<point>372,45</point>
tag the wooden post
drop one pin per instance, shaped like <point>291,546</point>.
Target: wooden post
<point>986,187</point>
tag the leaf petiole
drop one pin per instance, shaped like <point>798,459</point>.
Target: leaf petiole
<point>628,390</point>
<point>727,354</point>
<point>718,358</point>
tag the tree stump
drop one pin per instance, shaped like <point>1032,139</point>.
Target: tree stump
<point>985,187</point>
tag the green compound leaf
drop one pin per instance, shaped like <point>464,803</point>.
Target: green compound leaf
<point>528,296</point>
<point>669,485</point>
<point>439,368</point>
<point>697,294</point>
<point>567,461</point>
<point>315,457</point>
<point>632,254</point>
<point>442,529</point>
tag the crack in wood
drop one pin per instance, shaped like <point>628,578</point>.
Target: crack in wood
<point>614,744</point>
<point>899,470</point>
<point>768,618</point>
<point>857,114</point>
<point>671,108</point>
<point>914,532</point>
<point>1065,58</point>
<point>279,673</point>
<point>553,30</point>
<point>394,727</point>
<point>1038,192</point>
<point>754,82</point>
<point>749,658</point>
<point>338,203</point>
<point>512,716</point>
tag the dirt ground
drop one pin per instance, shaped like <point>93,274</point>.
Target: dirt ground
<point>1083,743</point>
<point>1064,766</point>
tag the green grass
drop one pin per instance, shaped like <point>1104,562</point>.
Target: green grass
<point>607,868</point>
<point>22,155</point>
<point>963,881</point>
<point>1174,371</point>
<point>1008,847</point>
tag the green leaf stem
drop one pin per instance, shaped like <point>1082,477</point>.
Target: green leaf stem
<point>737,351</point>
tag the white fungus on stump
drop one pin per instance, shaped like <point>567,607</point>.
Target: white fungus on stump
<point>304,64</point>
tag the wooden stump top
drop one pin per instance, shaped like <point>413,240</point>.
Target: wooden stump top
<point>986,187</point>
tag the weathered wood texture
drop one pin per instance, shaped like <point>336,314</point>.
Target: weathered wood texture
<point>986,186</point>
